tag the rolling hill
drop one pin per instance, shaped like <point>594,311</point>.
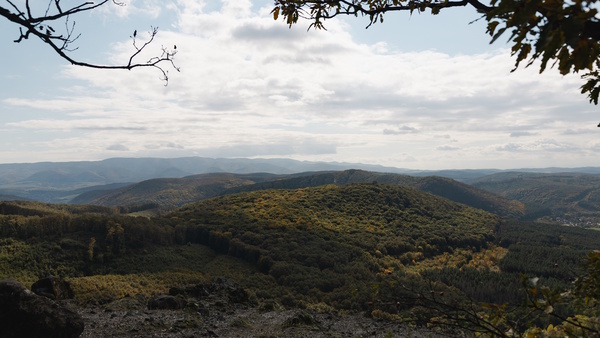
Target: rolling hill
<point>371,247</point>
<point>59,182</point>
<point>325,241</point>
<point>440,186</point>
<point>566,198</point>
<point>177,192</point>
<point>169,192</point>
<point>330,238</point>
<point>73,175</point>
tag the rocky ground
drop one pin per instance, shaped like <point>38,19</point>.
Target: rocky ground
<point>223,309</point>
<point>128,319</point>
<point>220,308</point>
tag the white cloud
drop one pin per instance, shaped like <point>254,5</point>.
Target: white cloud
<point>126,8</point>
<point>250,86</point>
<point>447,148</point>
<point>117,147</point>
<point>522,133</point>
<point>401,130</point>
<point>540,146</point>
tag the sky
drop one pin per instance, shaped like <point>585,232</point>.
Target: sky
<point>416,91</point>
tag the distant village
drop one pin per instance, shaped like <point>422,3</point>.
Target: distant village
<point>581,222</point>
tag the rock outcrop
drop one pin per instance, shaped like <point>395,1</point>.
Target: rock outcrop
<point>220,288</point>
<point>24,314</point>
<point>53,288</point>
<point>218,294</point>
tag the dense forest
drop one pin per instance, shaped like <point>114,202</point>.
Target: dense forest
<point>563,198</point>
<point>161,194</point>
<point>391,251</point>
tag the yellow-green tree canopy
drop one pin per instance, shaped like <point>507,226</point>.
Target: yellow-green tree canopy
<point>564,33</point>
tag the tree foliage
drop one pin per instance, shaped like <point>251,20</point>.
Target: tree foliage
<point>50,21</point>
<point>562,33</point>
<point>394,252</point>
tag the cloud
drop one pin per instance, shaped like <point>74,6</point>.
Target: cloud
<point>117,147</point>
<point>265,34</point>
<point>163,145</point>
<point>124,9</point>
<point>270,149</point>
<point>250,86</point>
<point>581,131</point>
<point>540,146</point>
<point>87,124</point>
<point>446,148</point>
<point>522,133</point>
<point>400,130</point>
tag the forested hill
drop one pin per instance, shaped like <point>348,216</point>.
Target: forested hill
<point>567,198</point>
<point>444,187</point>
<point>178,192</point>
<point>328,248</point>
<point>170,191</point>
<point>332,239</point>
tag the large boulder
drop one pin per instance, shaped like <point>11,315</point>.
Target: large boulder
<point>53,288</point>
<point>26,315</point>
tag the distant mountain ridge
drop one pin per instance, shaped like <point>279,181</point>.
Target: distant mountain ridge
<point>179,191</point>
<point>565,198</point>
<point>170,191</point>
<point>118,170</point>
<point>73,175</point>
<point>57,182</point>
<point>96,181</point>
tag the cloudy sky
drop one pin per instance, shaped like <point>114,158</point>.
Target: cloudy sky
<point>417,92</point>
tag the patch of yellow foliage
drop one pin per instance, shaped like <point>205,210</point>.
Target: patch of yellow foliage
<point>486,258</point>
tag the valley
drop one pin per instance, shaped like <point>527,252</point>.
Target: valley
<point>428,251</point>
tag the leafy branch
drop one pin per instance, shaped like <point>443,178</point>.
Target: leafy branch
<point>576,311</point>
<point>443,307</point>
<point>564,32</point>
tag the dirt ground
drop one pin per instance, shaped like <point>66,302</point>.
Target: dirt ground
<point>128,318</point>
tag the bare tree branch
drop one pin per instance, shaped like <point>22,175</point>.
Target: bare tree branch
<point>41,26</point>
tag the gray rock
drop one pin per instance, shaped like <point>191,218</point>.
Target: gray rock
<point>26,315</point>
<point>53,288</point>
<point>220,288</point>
